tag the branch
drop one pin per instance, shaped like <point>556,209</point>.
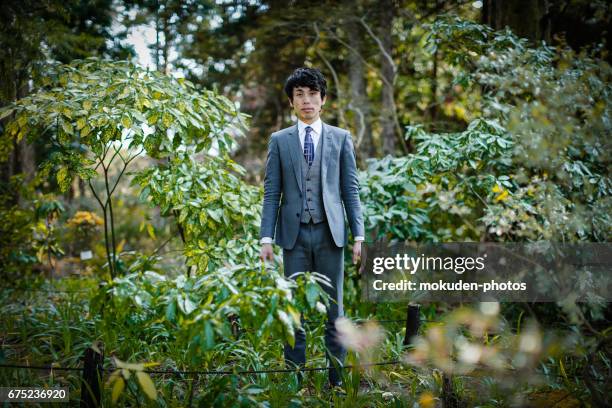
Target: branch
<point>348,46</point>
<point>362,124</point>
<point>381,47</point>
<point>398,128</point>
<point>331,68</point>
<point>96,195</point>
<point>472,189</point>
<point>114,155</point>
<point>125,165</point>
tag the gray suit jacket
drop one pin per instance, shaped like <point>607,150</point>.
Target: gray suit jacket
<point>283,185</point>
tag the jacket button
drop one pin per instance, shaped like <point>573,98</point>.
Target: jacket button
<point>297,215</point>
<point>300,196</point>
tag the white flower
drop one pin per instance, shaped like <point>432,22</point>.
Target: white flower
<point>359,339</point>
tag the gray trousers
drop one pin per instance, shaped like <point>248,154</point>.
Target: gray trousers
<point>315,250</point>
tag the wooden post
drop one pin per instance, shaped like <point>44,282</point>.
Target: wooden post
<point>413,321</point>
<point>92,377</point>
<point>235,323</point>
<point>450,399</point>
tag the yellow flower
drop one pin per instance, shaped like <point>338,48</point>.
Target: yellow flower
<point>502,197</point>
<point>85,219</point>
<point>503,193</point>
<point>427,400</point>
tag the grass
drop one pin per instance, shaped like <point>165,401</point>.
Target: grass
<point>40,326</point>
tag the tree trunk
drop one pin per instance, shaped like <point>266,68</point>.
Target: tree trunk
<point>387,118</point>
<point>526,18</point>
<point>22,158</point>
<point>359,104</point>
<point>433,110</point>
<point>166,46</point>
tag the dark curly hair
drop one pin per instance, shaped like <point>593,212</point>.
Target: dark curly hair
<point>307,77</point>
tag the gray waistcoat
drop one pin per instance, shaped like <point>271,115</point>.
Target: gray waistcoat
<point>312,203</point>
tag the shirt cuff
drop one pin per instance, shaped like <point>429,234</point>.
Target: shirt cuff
<point>266,240</point>
<point>359,238</point>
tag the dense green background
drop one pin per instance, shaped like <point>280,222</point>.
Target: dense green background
<point>472,121</point>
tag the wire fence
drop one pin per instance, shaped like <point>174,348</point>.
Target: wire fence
<point>205,372</point>
<point>240,372</point>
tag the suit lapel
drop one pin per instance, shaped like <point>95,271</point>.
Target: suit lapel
<point>295,151</point>
<point>326,140</point>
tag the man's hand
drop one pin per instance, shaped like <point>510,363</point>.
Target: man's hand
<point>266,252</point>
<point>356,251</point>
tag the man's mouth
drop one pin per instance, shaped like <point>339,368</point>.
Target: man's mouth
<point>307,110</point>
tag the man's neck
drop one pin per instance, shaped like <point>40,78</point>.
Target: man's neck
<point>310,121</point>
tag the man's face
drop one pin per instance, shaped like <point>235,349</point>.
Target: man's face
<point>307,103</point>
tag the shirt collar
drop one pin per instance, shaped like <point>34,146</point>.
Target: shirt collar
<point>316,126</point>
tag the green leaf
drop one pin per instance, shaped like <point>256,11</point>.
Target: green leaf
<point>85,131</point>
<point>81,122</point>
<point>209,336</point>
<point>118,387</point>
<point>151,231</point>
<point>67,127</point>
<point>171,311</point>
<point>287,324</point>
<point>146,384</point>
<point>63,179</point>
<point>167,119</point>
<point>216,214</point>
<point>186,304</point>
<point>312,294</point>
<point>126,122</point>
<point>410,187</point>
<point>152,119</point>
<point>6,111</point>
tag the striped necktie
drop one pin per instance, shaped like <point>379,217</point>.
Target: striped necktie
<point>308,146</point>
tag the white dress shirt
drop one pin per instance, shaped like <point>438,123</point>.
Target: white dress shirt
<point>315,134</point>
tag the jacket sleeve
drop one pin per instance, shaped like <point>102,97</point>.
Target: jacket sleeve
<point>349,187</point>
<point>272,190</point>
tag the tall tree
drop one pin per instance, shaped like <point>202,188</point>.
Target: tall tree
<point>360,103</point>
<point>579,22</point>
<point>389,135</point>
<point>37,31</point>
<point>527,18</point>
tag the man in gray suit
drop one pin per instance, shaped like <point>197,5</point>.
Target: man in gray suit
<point>310,172</point>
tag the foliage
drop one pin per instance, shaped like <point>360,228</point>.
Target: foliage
<point>533,167</point>
<point>437,193</point>
<point>84,220</point>
<point>44,234</point>
<point>124,372</point>
<point>16,223</point>
<point>197,310</point>
<point>219,213</point>
<point>92,109</point>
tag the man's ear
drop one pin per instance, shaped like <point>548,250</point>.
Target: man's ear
<point>290,102</point>
<point>323,100</point>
